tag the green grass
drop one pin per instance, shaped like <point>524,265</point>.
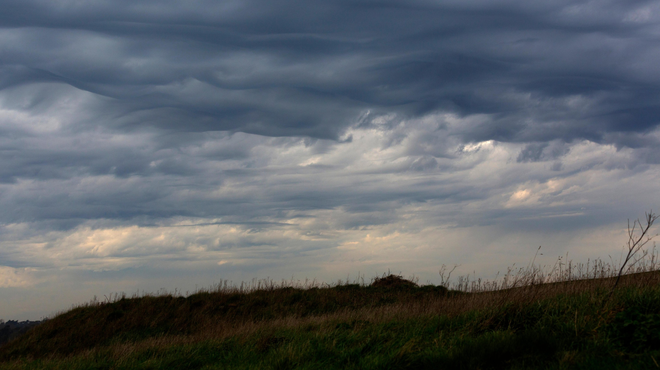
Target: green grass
<point>567,325</point>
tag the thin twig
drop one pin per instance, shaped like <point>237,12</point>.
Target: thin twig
<point>635,244</point>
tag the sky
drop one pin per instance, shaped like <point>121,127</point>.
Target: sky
<point>166,145</point>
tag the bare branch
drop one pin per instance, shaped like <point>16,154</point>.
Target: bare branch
<point>445,281</point>
<point>635,244</point>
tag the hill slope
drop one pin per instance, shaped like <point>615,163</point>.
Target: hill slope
<point>399,325</point>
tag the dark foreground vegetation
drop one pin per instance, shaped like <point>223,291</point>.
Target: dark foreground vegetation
<point>573,317</point>
<point>13,329</point>
<point>549,326</point>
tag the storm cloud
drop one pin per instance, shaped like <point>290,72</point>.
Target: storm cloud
<point>158,138</point>
<point>564,70</point>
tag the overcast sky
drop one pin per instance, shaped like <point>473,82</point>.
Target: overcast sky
<point>170,144</point>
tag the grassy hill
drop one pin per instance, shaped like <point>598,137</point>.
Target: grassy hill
<point>389,324</point>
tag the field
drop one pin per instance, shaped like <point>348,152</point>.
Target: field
<point>585,316</point>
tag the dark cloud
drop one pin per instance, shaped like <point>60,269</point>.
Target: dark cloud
<point>535,152</point>
<point>310,68</point>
